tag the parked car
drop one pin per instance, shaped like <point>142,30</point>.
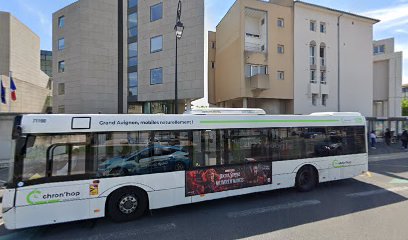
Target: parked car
<point>153,159</point>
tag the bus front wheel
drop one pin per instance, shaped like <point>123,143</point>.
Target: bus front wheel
<point>126,204</point>
<point>306,178</point>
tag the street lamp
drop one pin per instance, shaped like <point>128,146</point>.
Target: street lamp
<point>178,28</point>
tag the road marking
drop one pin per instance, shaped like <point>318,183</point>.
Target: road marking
<point>366,174</point>
<point>274,208</point>
<point>379,191</point>
<point>398,181</point>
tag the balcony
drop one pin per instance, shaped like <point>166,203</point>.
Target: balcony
<point>259,82</point>
<point>254,47</point>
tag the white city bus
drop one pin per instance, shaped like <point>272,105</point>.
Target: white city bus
<point>75,167</point>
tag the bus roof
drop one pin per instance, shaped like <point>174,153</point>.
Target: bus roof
<point>76,123</point>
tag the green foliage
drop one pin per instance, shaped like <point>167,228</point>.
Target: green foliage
<point>404,106</point>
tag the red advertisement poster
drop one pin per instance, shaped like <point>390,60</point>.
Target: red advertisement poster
<point>224,178</point>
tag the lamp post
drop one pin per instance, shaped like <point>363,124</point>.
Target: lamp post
<point>178,28</point>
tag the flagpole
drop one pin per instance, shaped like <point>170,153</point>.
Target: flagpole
<point>9,95</point>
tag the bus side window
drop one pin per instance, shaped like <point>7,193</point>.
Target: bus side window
<point>67,159</point>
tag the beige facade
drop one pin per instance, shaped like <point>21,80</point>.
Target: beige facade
<point>109,62</point>
<point>20,55</point>
<point>254,56</point>
<point>387,79</point>
<point>264,53</point>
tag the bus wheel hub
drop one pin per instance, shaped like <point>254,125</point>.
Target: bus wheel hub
<point>128,204</point>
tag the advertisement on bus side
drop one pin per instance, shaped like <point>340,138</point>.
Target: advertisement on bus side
<point>224,178</point>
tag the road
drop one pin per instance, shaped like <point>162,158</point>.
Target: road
<point>372,206</point>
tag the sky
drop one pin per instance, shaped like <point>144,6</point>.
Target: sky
<point>37,15</point>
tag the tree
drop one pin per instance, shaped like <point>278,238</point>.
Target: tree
<point>404,106</point>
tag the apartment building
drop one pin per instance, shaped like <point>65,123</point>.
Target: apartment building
<point>292,57</point>
<point>387,79</point>
<point>254,57</point>
<point>119,56</point>
<point>20,57</point>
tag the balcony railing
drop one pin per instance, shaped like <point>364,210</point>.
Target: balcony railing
<point>254,47</point>
<point>259,82</point>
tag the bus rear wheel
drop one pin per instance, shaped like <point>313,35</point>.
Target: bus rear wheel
<point>306,178</point>
<point>127,204</point>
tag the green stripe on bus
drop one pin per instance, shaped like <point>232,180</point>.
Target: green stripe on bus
<point>267,121</point>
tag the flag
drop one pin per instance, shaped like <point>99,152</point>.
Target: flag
<point>3,93</point>
<point>13,89</point>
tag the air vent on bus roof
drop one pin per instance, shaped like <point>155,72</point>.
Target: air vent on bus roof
<point>351,114</point>
<point>226,111</point>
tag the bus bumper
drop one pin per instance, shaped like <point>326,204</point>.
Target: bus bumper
<point>9,218</point>
<point>8,209</point>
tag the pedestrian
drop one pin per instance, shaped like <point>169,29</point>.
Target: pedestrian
<point>373,139</point>
<point>404,139</point>
<point>387,137</point>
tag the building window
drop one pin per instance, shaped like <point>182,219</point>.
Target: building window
<point>156,76</point>
<point>263,21</point>
<point>61,22</point>
<point>379,49</point>
<point>324,99</point>
<point>281,22</point>
<point>281,49</point>
<point>61,44</point>
<point>253,70</point>
<point>132,3</point>
<point>314,99</point>
<point>313,76</point>
<point>61,109</point>
<point>322,55</point>
<point>322,27</point>
<point>61,66</point>
<point>61,88</point>
<point>156,12</point>
<point>323,77</point>
<point>253,35</point>
<point>281,75</point>
<point>312,50</point>
<point>132,54</point>
<point>132,25</point>
<point>133,84</point>
<point>213,45</point>
<point>213,65</point>
<point>313,26</point>
<point>156,44</point>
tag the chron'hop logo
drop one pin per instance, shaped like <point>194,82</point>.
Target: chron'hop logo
<point>341,164</point>
<point>36,197</point>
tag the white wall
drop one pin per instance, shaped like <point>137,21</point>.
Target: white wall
<point>388,80</point>
<point>303,37</point>
<point>356,66</point>
<point>356,87</point>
